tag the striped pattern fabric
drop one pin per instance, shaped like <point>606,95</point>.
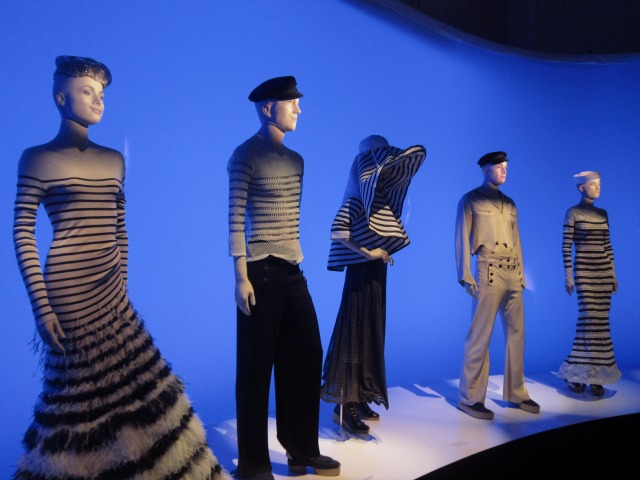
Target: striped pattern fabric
<point>592,359</point>
<point>110,407</point>
<point>354,367</point>
<point>373,202</point>
<point>265,189</point>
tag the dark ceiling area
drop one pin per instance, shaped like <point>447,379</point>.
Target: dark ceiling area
<point>566,27</point>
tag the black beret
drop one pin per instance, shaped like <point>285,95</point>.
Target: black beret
<point>279,88</point>
<point>492,158</point>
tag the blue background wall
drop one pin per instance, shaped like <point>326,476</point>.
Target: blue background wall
<point>178,107</point>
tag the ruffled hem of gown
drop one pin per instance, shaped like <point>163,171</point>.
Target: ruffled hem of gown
<point>589,374</point>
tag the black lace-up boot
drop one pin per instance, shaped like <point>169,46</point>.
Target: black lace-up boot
<point>350,418</point>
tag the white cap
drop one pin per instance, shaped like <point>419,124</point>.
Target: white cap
<point>586,177</point>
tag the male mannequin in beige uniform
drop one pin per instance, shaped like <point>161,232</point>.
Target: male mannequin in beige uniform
<point>487,226</point>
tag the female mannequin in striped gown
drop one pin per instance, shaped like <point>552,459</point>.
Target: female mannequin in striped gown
<point>367,230</point>
<point>110,408</point>
<point>586,228</point>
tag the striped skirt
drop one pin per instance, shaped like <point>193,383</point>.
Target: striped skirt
<point>592,360</point>
<point>354,368</point>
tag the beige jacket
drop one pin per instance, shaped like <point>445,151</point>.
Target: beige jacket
<point>488,221</point>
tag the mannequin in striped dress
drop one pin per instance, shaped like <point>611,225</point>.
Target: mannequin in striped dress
<point>586,228</point>
<point>110,408</point>
<point>367,230</point>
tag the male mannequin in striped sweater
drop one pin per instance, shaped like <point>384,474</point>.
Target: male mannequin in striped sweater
<point>277,326</point>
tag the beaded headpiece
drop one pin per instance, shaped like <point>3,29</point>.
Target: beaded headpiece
<point>586,177</point>
<point>71,66</point>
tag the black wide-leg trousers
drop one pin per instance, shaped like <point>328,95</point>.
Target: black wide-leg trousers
<point>282,335</point>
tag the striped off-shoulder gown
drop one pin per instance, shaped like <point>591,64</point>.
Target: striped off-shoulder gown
<point>110,407</point>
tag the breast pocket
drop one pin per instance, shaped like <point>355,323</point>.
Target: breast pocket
<point>482,214</point>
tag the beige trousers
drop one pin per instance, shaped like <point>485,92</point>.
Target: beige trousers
<point>500,290</point>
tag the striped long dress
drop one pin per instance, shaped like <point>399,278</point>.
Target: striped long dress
<point>354,367</point>
<point>591,360</point>
<point>110,407</point>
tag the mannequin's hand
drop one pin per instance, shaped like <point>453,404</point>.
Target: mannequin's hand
<point>51,333</point>
<point>615,286</point>
<point>472,289</point>
<point>378,253</point>
<point>245,296</point>
<point>568,286</point>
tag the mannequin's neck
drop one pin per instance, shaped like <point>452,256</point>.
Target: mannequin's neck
<point>271,134</point>
<point>73,134</point>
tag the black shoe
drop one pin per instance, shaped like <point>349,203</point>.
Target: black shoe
<point>596,389</point>
<point>529,406</point>
<point>321,465</point>
<point>577,387</point>
<point>477,410</point>
<point>350,418</point>
<point>365,412</point>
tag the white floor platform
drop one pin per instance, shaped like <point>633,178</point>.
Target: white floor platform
<point>424,431</point>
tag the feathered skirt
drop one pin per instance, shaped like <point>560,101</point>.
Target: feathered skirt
<point>111,408</point>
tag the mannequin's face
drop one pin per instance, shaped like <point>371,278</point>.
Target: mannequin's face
<point>495,174</point>
<point>81,99</point>
<point>283,114</point>
<point>590,190</point>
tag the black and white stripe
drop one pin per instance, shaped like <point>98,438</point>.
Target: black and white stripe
<point>265,189</point>
<point>592,358</point>
<point>110,407</point>
<point>372,208</point>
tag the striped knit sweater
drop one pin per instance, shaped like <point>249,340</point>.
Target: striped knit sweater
<point>265,188</point>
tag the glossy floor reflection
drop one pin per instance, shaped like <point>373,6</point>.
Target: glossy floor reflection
<point>424,431</point>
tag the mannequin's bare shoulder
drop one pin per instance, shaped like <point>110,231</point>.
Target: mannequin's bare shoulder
<point>37,151</point>
<point>106,152</point>
<point>40,157</point>
<point>33,156</point>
